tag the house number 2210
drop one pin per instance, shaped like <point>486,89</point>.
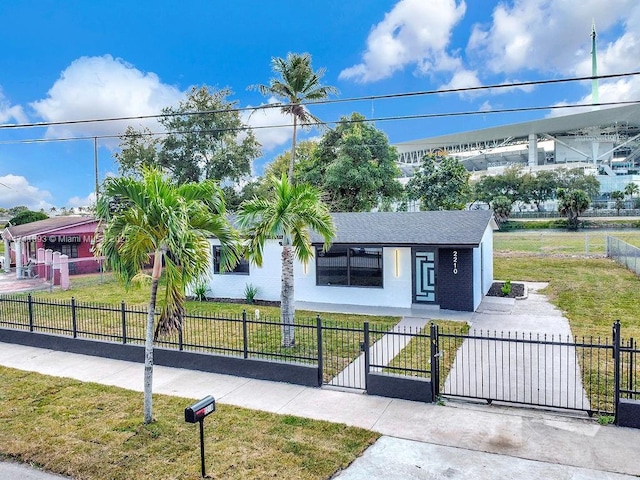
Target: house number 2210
<point>455,262</point>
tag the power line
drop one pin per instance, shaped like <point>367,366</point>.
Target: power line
<point>322,102</point>
<point>327,123</point>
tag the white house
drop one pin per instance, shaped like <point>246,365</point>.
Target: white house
<point>384,259</point>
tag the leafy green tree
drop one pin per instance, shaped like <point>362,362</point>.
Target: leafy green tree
<point>618,197</point>
<point>296,83</point>
<point>288,214</point>
<point>13,211</point>
<point>27,216</point>
<point>501,207</point>
<point>572,203</point>
<point>440,184</point>
<point>206,139</point>
<point>354,165</point>
<point>631,188</point>
<point>508,184</point>
<point>152,217</point>
<point>306,152</point>
<point>138,148</point>
<point>541,187</point>
<point>576,179</point>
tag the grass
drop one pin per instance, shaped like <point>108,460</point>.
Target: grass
<point>342,332</point>
<point>558,242</point>
<point>90,431</point>
<point>592,292</point>
<point>415,358</point>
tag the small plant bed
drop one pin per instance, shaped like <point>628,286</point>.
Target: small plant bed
<point>500,289</point>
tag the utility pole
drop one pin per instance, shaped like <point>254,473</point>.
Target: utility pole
<point>595,98</point>
<point>95,165</point>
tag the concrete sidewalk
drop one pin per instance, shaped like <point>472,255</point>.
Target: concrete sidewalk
<point>459,440</point>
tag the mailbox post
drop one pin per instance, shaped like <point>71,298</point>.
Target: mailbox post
<point>195,414</point>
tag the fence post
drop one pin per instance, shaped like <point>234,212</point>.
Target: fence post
<point>632,346</point>
<point>367,359</point>
<point>123,317</point>
<point>320,352</point>
<point>435,364</point>
<point>245,336</point>
<point>180,341</point>
<point>30,300</point>
<point>616,368</point>
<point>74,324</point>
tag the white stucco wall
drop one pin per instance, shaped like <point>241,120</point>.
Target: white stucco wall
<point>267,278</point>
<point>487,253</point>
<point>482,267</point>
<point>396,291</point>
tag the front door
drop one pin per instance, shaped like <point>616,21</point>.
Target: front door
<point>424,276</point>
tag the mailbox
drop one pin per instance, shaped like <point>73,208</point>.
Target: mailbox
<point>196,412</point>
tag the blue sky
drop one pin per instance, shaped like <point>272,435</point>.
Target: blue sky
<point>82,59</point>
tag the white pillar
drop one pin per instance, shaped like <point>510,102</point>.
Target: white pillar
<point>55,277</point>
<point>7,255</point>
<point>18,242</point>
<point>533,150</point>
<point>64,272</point>
<point>48,261</point>
<point>42,269</point>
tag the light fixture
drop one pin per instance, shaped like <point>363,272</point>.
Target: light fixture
<point>397,259</point>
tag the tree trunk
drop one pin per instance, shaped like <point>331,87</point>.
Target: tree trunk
<point>287,299</point>
<point>293,150</point>
<point>148,342</point>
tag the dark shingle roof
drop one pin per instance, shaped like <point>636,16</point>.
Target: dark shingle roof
<point>460,227</point>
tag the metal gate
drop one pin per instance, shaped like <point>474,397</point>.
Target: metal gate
<point>541,370</point>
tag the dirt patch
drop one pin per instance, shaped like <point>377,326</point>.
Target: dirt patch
<point>517,290</point>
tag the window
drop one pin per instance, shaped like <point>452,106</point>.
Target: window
<point>356,266</point>
<point>242,268</point>
<point>70,250</point>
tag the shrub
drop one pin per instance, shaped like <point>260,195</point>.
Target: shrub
<point>506,288</point>
<point>250,292</point>
<point>200,291</point>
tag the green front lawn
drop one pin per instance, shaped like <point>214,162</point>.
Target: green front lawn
<point>90,431</point>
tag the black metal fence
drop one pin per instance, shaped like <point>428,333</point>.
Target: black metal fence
<point>588,374</point>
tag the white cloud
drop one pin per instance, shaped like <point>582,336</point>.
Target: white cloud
<point>547,35</point>
<point>414,32</point>
<point>463,79</point>
<point>10,112</point>
<point>15,190</point>
<point>613,91</point>
<point>82,201</point>
<point>271,127</point>
<point>104,87</point>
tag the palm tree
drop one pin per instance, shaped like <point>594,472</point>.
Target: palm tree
<point>297,83</point>
<point>151,217</point>
<point>572,203</point>
<point>618,196</point>
<point>631,188</point>
<point>287,215</point>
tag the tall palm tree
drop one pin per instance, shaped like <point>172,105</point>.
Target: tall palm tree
<point>151,217</point>
<point>631,188</point>
<point>288,215</point>
<point>297,83</point>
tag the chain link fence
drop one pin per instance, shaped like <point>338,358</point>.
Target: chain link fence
<point>623,253</point>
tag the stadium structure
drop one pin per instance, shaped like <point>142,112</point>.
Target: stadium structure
<point>606,141</point>
<point>603,141</point>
